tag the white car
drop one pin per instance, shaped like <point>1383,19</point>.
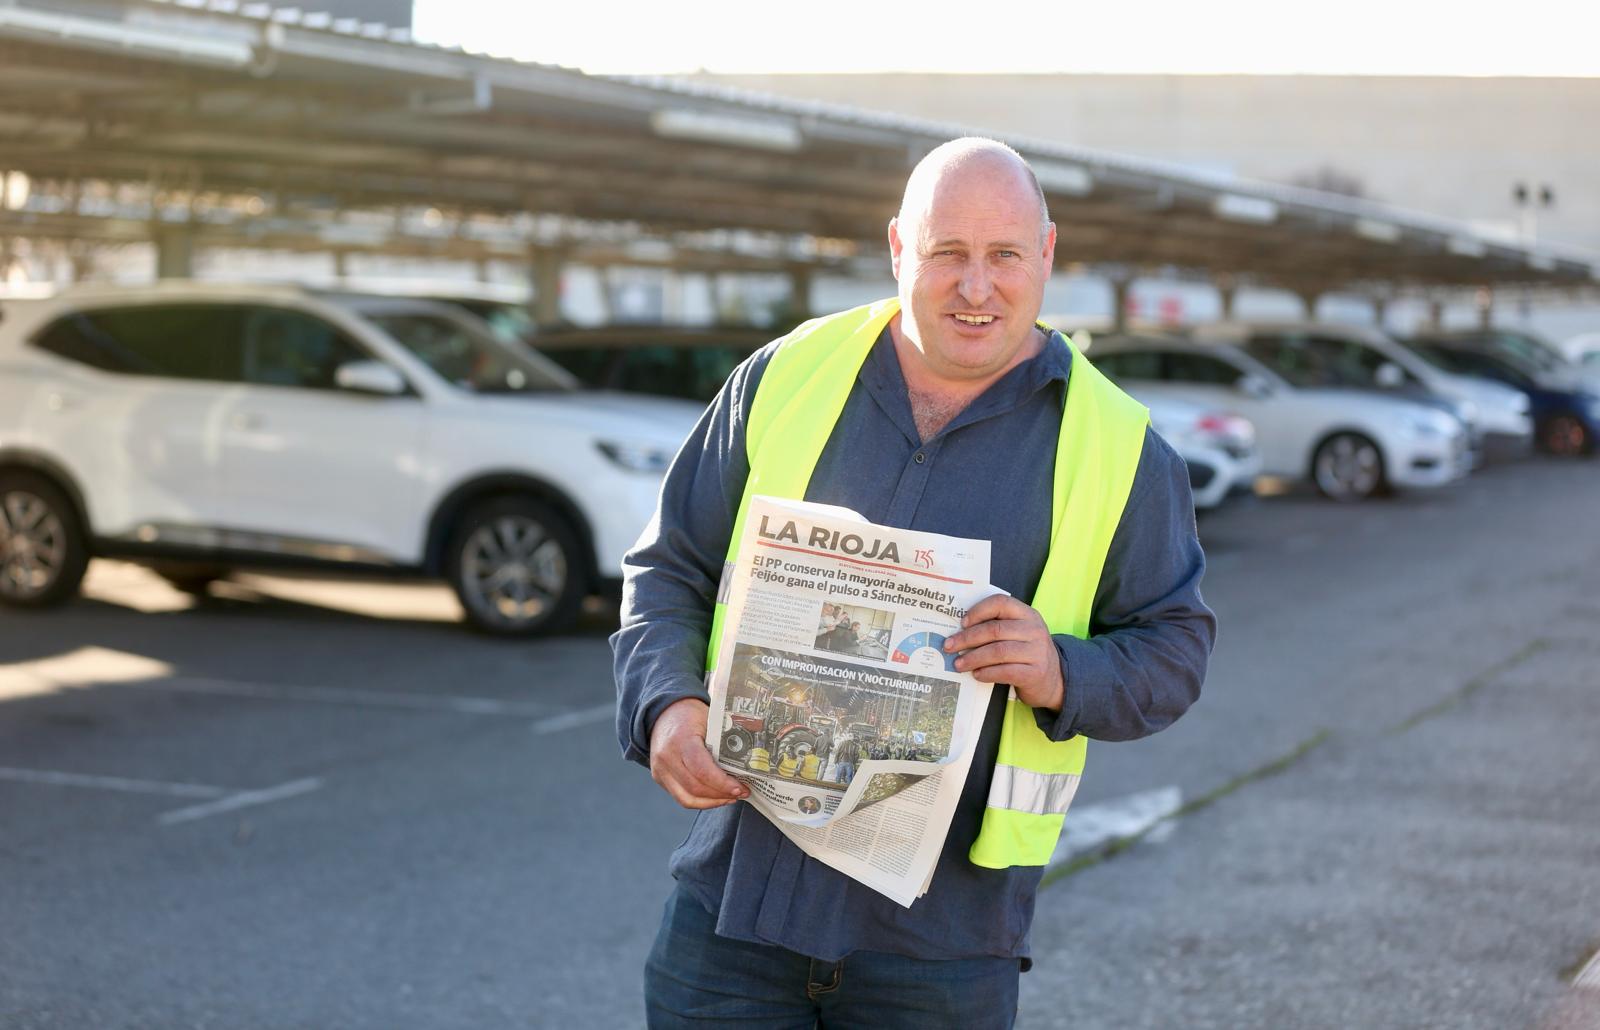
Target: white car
<point>1496,416</point>
<point>1218,446</point>
<point>1352,444</point>
<point>1584,350</point>
<point>200,427</point>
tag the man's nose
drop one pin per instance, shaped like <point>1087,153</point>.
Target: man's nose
<point>976,285</point>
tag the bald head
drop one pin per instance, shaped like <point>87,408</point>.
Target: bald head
<point>971,249</point>
<point>957,158</point>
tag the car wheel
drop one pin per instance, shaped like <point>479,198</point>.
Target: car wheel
<point>515,566</point>
<point>1565,436</point>
<point>1348,467</point>
<point>190,577</point>
<point>43,548</point>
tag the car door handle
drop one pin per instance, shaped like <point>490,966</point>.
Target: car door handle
<point>249,421</point>
<point>58,401</point>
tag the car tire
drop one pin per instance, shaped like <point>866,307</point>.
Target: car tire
<point>190,577</point>
<point>1565,436</point>
<point>516,567</point>
<point>44,550</point>
<point>1348,467</point>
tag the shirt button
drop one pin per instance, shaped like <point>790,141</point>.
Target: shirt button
<point>920,458</point>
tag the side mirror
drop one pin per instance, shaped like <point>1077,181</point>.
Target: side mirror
<point>1253,386</point>
<point>1390,376</point>
<point>373,377</point>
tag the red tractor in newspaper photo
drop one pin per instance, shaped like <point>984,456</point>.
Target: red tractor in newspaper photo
<point>777,726</point>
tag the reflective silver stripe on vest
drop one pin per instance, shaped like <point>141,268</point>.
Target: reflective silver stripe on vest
<point>1023,790</point>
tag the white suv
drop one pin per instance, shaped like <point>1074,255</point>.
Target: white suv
<point>199,427</point>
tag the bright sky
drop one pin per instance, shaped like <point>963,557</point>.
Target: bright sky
<point>1388,37</point>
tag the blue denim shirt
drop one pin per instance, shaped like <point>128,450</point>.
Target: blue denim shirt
<point>987,474</point>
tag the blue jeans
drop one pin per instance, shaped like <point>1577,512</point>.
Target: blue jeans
<point>693,978</point>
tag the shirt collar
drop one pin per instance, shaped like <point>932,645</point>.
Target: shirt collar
<point>882,377</point>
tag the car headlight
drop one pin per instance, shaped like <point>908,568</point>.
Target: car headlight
<point>1426,427</point>
<point>636,457</point>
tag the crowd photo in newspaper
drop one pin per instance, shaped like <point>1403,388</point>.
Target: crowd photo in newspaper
<point>831,695</point>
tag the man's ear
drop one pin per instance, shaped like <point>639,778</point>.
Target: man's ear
<point>896,245</point>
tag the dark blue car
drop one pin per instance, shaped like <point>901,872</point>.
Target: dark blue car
<point>1566,415</point>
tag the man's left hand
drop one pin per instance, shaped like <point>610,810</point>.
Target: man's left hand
<point>1006,641</point>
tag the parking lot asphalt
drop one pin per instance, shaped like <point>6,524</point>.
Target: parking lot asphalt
<point>324,804</point>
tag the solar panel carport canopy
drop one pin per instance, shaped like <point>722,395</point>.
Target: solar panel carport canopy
<point>229,125</point>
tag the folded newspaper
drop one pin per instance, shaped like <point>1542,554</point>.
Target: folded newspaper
<point>833,699</point>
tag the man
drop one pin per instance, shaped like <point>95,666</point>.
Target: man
<point>845,770</point>
<point>950,411</point>
<point>830,619</point>
<point>843,639</point>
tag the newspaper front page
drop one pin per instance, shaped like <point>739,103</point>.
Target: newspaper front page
<point>833,698</point>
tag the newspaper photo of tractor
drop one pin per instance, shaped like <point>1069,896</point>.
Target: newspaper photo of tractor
<point>804,719</point>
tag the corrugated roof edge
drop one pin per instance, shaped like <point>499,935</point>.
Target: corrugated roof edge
<point>1313,200</point>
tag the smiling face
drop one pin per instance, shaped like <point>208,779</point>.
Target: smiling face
<point>972,262</point>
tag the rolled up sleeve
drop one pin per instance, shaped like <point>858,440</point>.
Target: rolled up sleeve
<point>1151,633</point>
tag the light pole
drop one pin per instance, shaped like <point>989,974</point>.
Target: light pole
<point>1529,199</point>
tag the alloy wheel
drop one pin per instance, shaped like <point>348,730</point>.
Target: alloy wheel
<point>33,545</point>
<point>513,571</point>
<point>1565,436</point>
<point>1349,467</point>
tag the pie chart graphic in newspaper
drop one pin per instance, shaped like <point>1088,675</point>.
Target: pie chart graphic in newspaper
<point>924,651</point>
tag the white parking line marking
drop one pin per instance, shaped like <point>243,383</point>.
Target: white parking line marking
<point>567,720</point>
<point>1589,978</point>
<point>345,696</point>
<point>1094,826</point>
<point>119,783</point>
<point>242,799</point>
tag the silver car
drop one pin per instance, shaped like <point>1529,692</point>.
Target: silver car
<point>1497,417</point>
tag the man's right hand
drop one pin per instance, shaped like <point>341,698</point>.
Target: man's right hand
<point>682,764</point>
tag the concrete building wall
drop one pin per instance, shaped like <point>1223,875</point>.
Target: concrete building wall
<point>1447,146</point>
<point>394,13</point>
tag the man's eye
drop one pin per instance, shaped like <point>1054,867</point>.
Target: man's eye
<point>1006,253</point>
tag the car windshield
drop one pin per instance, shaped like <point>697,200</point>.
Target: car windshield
<point>510,322</point>
<point>1433,354</point>
<point>1473,363</point>
<point>471,359</point>
<point>1527,353</point>
<point>1529,350</point>
<point>1299,365</point>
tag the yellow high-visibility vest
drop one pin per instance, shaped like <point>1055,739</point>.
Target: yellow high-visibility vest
<point>801,395</point>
